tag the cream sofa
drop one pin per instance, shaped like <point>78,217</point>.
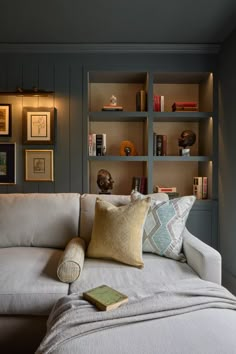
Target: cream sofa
<point>34,231</point>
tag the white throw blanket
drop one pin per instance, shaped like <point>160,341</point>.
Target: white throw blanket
<point>74,317</point>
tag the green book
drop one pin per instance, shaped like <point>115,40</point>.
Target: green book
<point>105,298</point>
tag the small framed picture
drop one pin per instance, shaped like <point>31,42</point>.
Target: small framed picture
<point>38,125</point>
<point>5,119</point>
<point>39,165</point>
<point>7,163</point>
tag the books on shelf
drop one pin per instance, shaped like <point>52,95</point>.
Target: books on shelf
<point>105,298</point>
<point>97,144</point>
<point>139,184</point>
<point>200,187</point>
<point>158,103</point>
<point>188,106</point>
<point>160,189</point>
<point>108,107</point>
<point>159,144</point>
<point>170,191</point>
<point>141,101</point>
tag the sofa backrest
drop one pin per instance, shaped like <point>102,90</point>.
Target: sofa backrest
<point>37,219</point>
<point>87,209</point>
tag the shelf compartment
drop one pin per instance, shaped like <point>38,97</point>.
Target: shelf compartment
<point>178,174</point>
<point>124,85</point>
<point>122,176</point>
<point>185,86</point>
<point>118,131</point>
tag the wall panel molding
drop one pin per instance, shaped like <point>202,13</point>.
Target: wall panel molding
<point>84,48</point>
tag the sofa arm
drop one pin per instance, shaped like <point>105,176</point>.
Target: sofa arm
<point>205,260</point>
<point>71,262</point>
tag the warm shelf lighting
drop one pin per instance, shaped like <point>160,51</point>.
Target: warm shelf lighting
<point>34,92</point>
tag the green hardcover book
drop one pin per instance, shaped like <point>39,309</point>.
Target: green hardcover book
<point>105,298</point>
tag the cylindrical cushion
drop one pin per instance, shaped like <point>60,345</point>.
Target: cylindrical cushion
<point>71,262</point>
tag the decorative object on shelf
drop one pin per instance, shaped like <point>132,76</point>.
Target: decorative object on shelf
<point>104,181</point>
<point>187,138</point>
<point>187,106</point>
<point>112,106</point>
<point>34,92</point>
<point>38,125</point>
<point>127,148</point>
<point>7,163</point>
<point>5,119</point>
<point>39,165</point>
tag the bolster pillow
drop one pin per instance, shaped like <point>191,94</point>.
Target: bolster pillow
<point>71,262</point>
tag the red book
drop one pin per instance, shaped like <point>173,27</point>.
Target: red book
<point>185,104</point>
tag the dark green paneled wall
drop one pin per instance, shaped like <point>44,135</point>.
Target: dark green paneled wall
<point>227,161</point>
<point>63,73</point>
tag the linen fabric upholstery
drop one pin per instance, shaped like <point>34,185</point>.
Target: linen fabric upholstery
<point>87,211</point>
<point>28,280</point>
<point>164,226</point>
<point>38,219</point>
<point>72,260</point>
<point>117,231</point>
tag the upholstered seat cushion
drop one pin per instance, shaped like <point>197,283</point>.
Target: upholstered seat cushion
<point>28,280</point>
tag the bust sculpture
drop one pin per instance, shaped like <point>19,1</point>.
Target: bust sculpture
<point>104,181</point>
<point>186,139</point>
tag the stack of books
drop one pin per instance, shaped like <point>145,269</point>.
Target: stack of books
<point>109,107</point>
<point>97,144</point>
<point>170,191</point>
<point>158,103</point>
<point>159,144</point>
<point>139,184</point>
<point>188,106</point>
<point>200,187</point>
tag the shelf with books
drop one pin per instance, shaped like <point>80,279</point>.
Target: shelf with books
<point>194,87</point>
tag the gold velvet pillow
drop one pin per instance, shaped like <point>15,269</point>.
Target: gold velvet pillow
<point>117,231</point>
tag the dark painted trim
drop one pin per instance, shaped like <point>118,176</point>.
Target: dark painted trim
<point>109,48</point>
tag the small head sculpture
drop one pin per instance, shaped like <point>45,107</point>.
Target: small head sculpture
<point>104,181</point>
<point>187,138</point>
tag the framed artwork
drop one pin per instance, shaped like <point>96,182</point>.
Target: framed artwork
<point>38,125</point>
<point>7,163</point>
<point>39,165</point>
<point>5,119</point>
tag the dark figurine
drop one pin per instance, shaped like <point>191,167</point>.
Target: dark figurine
<point>104,181</point>
<point>187,138</point>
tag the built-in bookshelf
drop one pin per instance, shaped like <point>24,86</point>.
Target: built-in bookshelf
<point>139,128</point>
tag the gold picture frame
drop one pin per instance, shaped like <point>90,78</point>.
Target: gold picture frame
<point>39,165</point>
<point>5,119</point>
<point>38,125</point>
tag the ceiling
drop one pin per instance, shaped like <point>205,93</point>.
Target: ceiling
<point>120,21</point>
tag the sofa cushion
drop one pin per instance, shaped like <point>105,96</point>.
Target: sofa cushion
<point>28,280</point>
<point>71,262</point>
<point>164,226</point>
<point>117,231</point>
<point>43,220</point>
<point>87,207</point>
<point>156,272</point>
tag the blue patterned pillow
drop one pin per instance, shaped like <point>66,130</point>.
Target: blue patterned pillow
<point>164,227</point>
